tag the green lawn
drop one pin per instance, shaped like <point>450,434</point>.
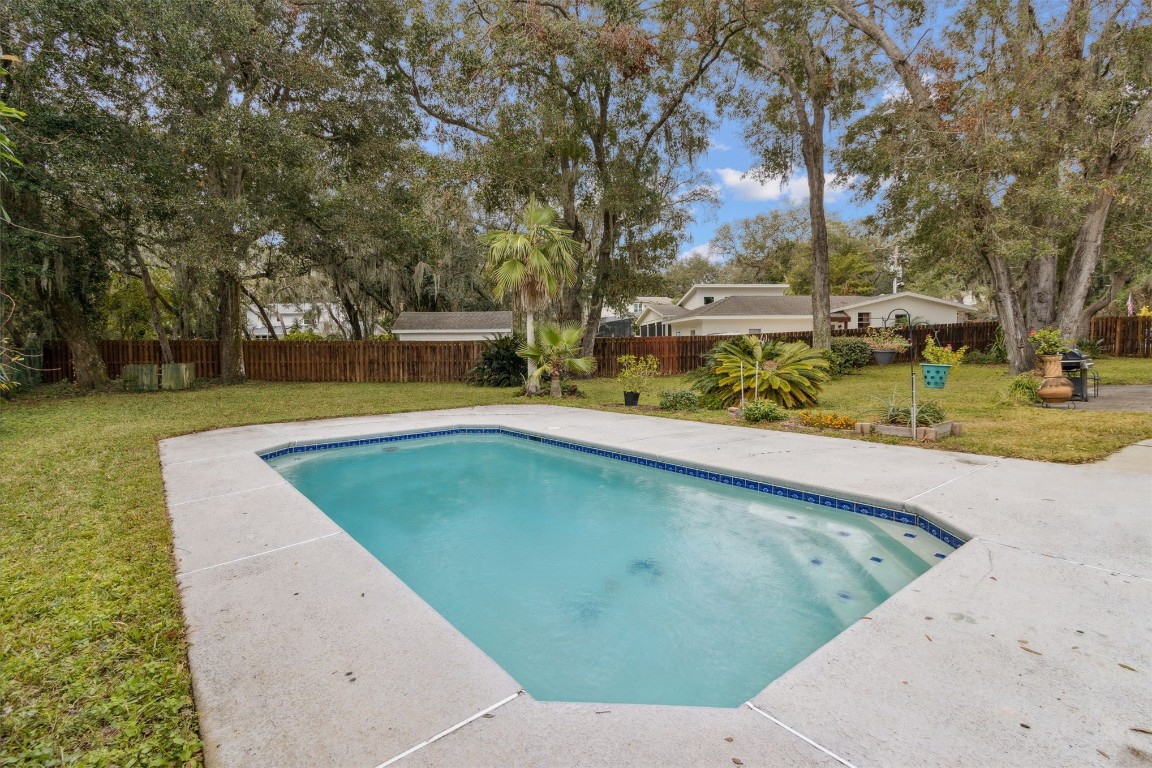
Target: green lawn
<point>93,668</point>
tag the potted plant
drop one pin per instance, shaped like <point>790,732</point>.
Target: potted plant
<point>885,343</point>
<point>1050,346</point>
<point>938,361</point>
<point>635,374</point>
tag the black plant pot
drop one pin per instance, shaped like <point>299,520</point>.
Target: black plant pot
<point>883,356</point>
<point>631,398</point>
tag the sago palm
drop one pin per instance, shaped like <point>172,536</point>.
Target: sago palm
<point>557,349</point>
<point>788,374</point>
<point>530,263</point>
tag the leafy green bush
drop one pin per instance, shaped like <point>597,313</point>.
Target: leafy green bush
<point>763,410</point>
<point>679,400</point>
<point>1091,347</point>
<point>848,354</point>
<point>982,358</point>
<point>1023,390</point>
<point>636,372</point>
<point>498,365</point>
<point>788,374</point>
<point>997,351</point>
<point>301,334</point>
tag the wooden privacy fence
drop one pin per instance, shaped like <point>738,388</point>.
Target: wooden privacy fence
<point>431,361</point>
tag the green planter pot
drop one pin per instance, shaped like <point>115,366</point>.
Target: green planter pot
<point>935,376</point>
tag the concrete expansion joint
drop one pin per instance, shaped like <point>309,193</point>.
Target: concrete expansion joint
<point>259,554</point>
<point>1112,571</point>
<point>451,729</point>
<point>217,457</point>
<point>230,493</point>
<point>954,479</point>
<point>796,733</point>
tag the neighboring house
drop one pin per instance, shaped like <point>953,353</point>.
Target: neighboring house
<point>725,310</point>
<point>325,319</point>
<point>620,323</point>
<point>635,307</point>
<point>452,326</point>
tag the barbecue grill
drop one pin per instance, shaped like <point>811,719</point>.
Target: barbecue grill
<point>1078,369</point>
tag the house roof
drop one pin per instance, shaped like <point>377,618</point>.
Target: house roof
<point>749,306</point>
<point>453,321</point>
<point>664,310</point>
<point>865,300</point>
<point>728,286</point>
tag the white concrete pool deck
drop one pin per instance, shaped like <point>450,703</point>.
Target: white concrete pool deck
<point>1029,646</point>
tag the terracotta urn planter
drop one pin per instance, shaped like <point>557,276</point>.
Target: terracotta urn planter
<point>1055,388</point>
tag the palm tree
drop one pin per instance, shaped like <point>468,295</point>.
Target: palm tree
<point>557,350</point>
<point>530,263</point>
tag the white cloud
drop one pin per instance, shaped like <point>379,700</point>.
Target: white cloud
<point>705,250</point>
<point>893,90</point>
<point>714,143</point>
<point>795,189</point>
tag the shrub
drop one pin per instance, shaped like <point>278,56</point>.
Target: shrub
<point>636,372</point>
<point>679,400</point>
<point>301,334</point>
<point>825,420</point>
<point>1091,347</point>
<point>498,365</point>
<point>894,411</point>
<point>763,410</point>
<point>1049,341</point>
<point>997,350</point>
<point>886,339</point>
<point>934,354</point>
<point>788,374</point>
<point>848,353</point>
<point>982,358</point>
<point>1023,390</point>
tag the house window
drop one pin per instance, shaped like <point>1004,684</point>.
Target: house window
<point>754,330</point>
<point>692,332</point>
<point>709,299</point>
<point>637,307</point>
<point>863,319</point>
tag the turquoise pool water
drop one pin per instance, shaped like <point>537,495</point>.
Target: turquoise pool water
<point>589,579</point>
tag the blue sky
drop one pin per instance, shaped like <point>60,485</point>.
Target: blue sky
<point>741,196</point>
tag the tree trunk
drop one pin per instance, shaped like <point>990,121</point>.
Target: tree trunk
<point>812,147</point>
<point>1021,356</point>
<point>531,386</point>
<point>262,312</point>
<point>1041,293</point>
<point>556,390</point>
<point>153,304</point>
<point>231,328</point>
<point>88,367</point>
<point>1085,254</point>
<point>604,253</point>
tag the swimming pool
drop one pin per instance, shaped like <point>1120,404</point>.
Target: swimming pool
<point>591,580</point>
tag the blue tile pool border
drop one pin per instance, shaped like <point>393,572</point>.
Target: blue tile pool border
<point>899,516</point>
